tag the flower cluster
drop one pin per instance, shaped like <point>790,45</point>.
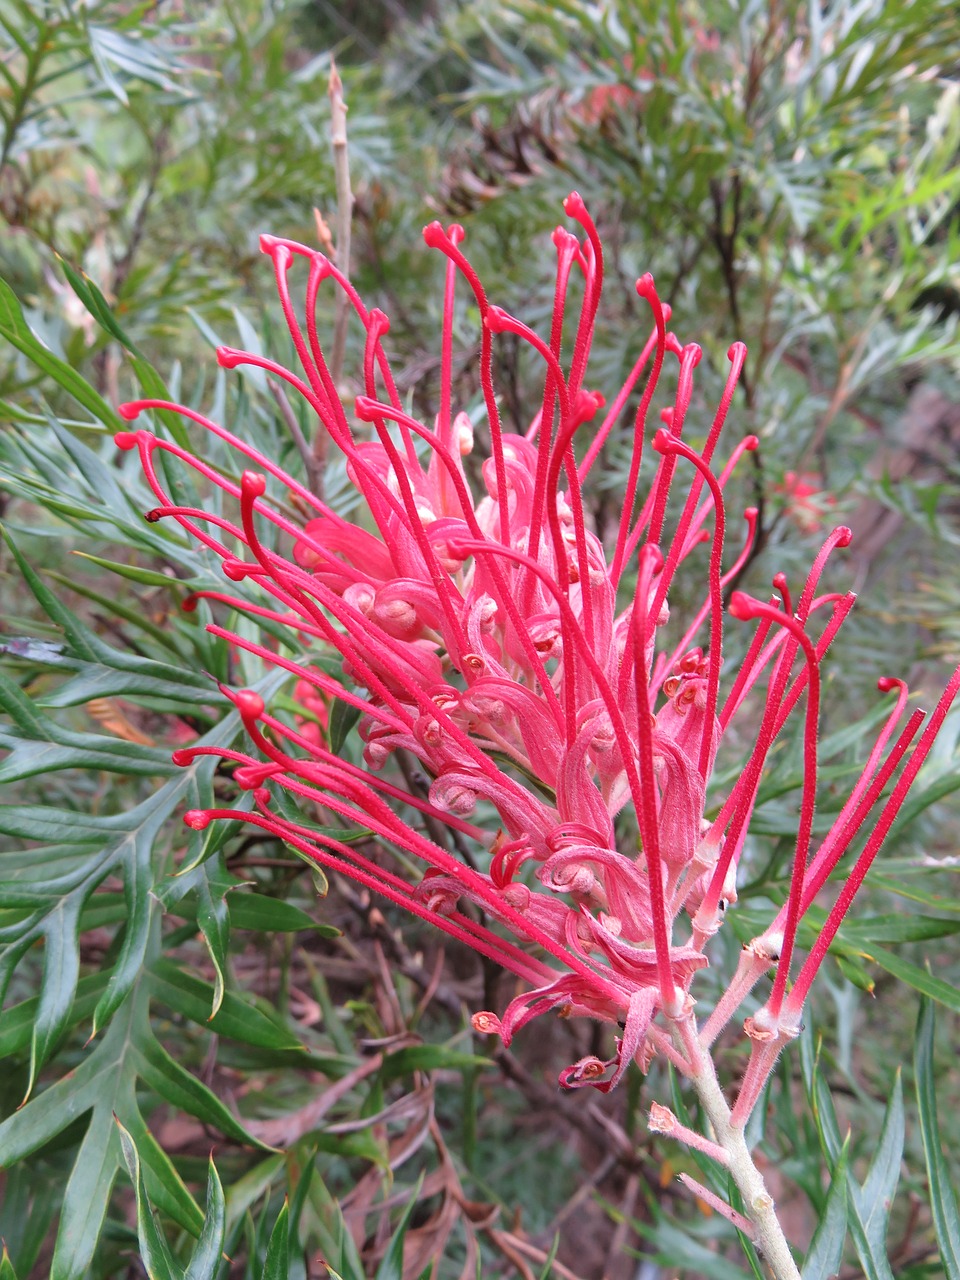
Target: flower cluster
<point>495,639</point>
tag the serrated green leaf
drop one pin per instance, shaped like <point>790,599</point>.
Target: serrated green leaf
<point>943,1197</point>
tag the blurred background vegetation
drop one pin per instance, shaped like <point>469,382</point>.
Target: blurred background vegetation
<point>789,173</point>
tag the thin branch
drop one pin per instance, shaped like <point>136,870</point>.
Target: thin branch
<point>312,465</point>
<point>341,170</point>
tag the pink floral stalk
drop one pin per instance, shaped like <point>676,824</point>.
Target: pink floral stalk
<point>484,633</point>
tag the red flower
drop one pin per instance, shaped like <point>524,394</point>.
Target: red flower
<point>481,633</point>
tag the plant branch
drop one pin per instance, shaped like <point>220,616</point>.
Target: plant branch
<point>341,170</point>
<point>757,1200</point>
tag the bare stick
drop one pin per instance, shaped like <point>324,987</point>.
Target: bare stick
<point>341,170</point>
<point>314,471</point>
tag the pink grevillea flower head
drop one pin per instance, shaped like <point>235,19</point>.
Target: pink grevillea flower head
<point>486,631</point>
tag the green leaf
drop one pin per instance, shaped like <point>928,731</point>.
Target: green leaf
<point>6,1266</point>
<point>206,1259</point>
<point>826,1248</point>
<point>943,1197</point>
<point>429,1057</point>
<point>16,1025</point>
<point>91,297</point>
<point>155,1253</point>
<point>257,912</point>
<point>898,928</point>
<point>920,979</point>
<point>238,1018</point>
<point>61,970</point>
<point>868,1207</point>
<point>343,717</point>
<point>679,1251</point>
<point>185,1092</point>
<point>164,1184</point>
<point>86,1198</point>
<point>391,1268</point>
<point>135,573</point>
<point>104,670</point>
<point>213,884</point>
<point>137,58</point>
<point>277,1262</point>
<point>875,1198</point>
<point>14,328</point>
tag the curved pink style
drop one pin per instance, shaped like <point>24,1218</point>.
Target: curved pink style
<point>482,630</point>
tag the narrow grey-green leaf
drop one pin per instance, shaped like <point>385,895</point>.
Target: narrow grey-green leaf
<point>943,1197</point>
<point>167,1191</point>
<point>876,1266</point>
<point>826,1248</point>
<point>921,980</point>
<point>15,329</point>
<point>875,1198</point>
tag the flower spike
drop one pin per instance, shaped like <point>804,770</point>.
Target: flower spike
<point>474,614</point>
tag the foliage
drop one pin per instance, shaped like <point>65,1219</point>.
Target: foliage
<point>790,175</point>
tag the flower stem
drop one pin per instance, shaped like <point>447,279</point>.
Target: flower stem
<point>758,1203</point>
